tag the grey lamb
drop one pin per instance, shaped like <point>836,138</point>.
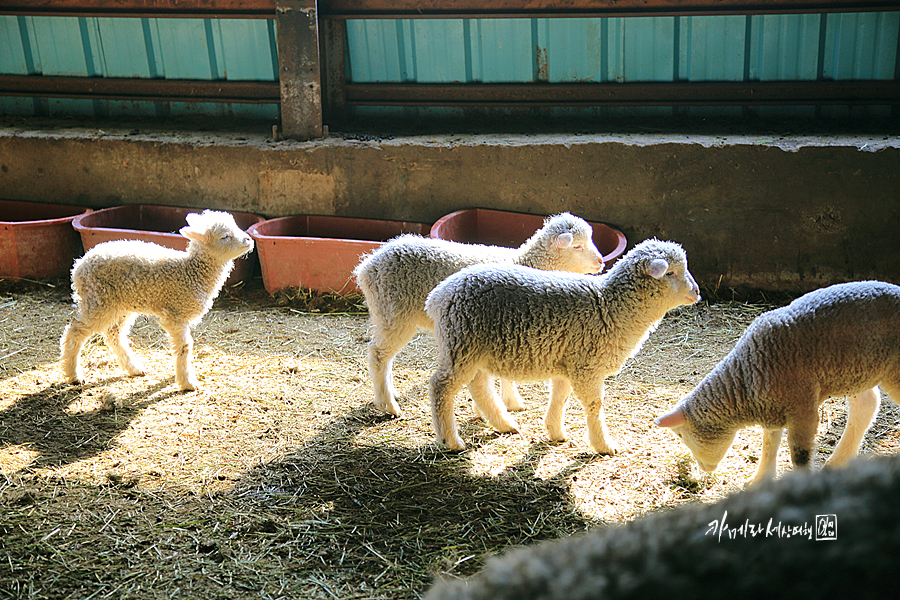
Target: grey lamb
<point>841,340</point>
<point>397,277</point>
<point>115,281</point>
<point>809,535</point>
<point>526,324</point>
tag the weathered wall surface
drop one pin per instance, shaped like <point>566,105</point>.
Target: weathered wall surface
<point>787,214</point>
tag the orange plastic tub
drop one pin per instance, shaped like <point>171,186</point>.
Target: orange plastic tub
<point>37,240</point>
<point>320,252</point>
<point>157,224</point>
<point>512,229</point>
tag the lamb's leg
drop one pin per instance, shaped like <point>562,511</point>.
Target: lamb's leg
<point>892,389</point>
<point>182,345</point>
<point>70,344</point>
<point>382,349</point>
<point>443,387</point>
<point>488,404</point>
<point>767,459</point>
<point>861,411</point>
<point>510,394</point>
<point>591,397</point>
<point>801,434</point>
<point>117,339</point>
<point>554,418</point>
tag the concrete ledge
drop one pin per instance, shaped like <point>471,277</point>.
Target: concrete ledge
<point>773,212</point>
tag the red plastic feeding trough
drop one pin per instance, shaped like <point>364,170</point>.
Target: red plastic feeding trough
<point>157,224</point>
<point>37,240</point>
<point>511,229</point>
<point>320,253</point>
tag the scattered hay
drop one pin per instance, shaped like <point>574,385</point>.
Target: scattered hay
<point>278,479</point>
<point>312,301</point>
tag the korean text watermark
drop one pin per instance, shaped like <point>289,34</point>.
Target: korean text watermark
<point>824,527</point>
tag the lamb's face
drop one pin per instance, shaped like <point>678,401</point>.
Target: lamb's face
<point>708,448</point>
<point>577,253</point>
<point>228,241</point>
<point>218,234</point>
<point>677,283</point>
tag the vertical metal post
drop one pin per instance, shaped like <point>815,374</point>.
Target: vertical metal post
<point>334,78</point>
<point>298,69</point>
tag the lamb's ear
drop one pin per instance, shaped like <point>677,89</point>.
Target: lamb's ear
<point>564,240</point>
<point>191,234</point>
<point>671,419</point>
<point>657,268</point>
<point>194,220</point>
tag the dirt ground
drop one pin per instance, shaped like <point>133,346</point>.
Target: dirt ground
<point>278,479</point>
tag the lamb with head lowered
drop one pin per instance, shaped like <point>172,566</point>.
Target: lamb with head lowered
<point>525,324</point>
<point>842,340</point>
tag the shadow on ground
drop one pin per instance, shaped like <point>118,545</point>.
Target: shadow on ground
<point>332,519</point>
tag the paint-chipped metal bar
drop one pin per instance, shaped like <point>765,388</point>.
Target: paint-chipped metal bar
<point>405,9</point>
<point>152,90</point>
<point>418,9</point>
<point>200,9</point>
<point>298,69</point>
<point>626,94</point>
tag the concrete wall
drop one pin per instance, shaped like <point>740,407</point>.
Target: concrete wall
<point>789,214</point>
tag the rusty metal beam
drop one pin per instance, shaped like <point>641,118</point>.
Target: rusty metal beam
<point>402,9</point>
<point>153,90</point>
<point>297,28</point>
<point>394,9</point>
<point>500,94</point>
<point>625,94</point>
<point>207,9</point>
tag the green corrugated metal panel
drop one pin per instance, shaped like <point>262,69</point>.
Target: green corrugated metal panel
<point>706,48</point>
<point>231,49</point>
<point>709,48</point>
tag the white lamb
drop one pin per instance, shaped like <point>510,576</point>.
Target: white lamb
<point>525,324</point>
<point>837,341</point>
<point>115,281</point>
<point>397,277</point>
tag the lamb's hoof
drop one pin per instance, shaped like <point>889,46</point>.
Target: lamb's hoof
<point>559,436</point>
<point>514,404</point>
<point>508,427</point>
<point>189,386</point>
<point>135,372</point>
<point>607,449</point>
<point>455,445</point>
<point>391,408</point>
<point>753,481</point>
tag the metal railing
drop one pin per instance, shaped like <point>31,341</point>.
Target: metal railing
<point>313,87</point>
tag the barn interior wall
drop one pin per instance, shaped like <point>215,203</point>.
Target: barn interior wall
<point>786,213</point>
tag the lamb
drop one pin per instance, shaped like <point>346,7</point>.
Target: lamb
<point>811,536</point>
<point>576,330</point>
<point>115,281</point>
<point>841,340</point>
<point>397,277</point>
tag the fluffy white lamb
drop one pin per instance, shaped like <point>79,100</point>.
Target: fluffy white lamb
<point>760,543</point>
<point>525,324</point>
<point>397,277</point>
<point>837,341</point>
<point>115,281</point>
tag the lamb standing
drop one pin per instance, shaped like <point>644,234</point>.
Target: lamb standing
<point>524,324</point>
<point>837,341</point>
<point>397,277</point>
<point>115,281</point>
